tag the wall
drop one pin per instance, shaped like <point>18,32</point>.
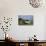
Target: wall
<point>45,28</point>
<point>13,8</point>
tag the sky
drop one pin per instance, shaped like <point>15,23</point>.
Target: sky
<point>28,17</point>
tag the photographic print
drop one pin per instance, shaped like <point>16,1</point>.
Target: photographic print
<point>25,20</point>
